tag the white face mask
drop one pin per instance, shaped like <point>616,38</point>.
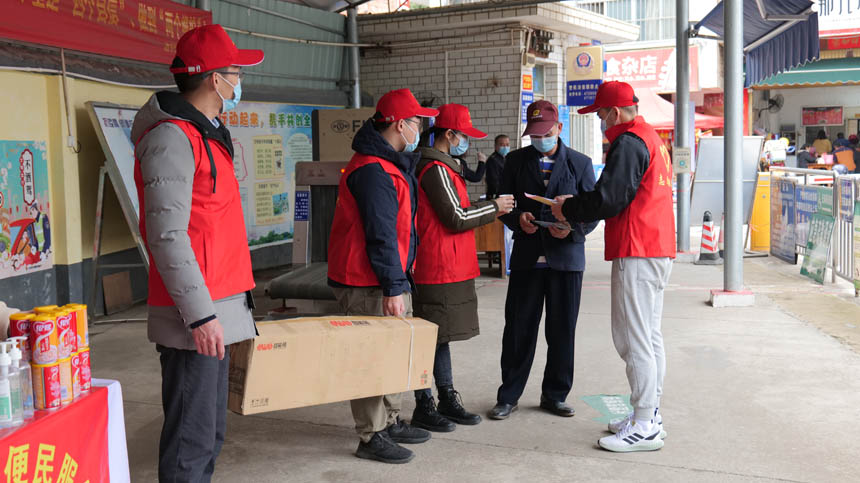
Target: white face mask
<point>414,144</point>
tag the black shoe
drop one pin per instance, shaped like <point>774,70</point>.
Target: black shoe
<point>451,406</point>
<point>502,411</point>
<point>426,416</point>
<point>382,448</point>
<point>402,433</point>
<point>558,408</point>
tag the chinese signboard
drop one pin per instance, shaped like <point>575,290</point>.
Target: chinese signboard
<point>782,219</point>
<point>268,140</point>
<point>25,229</point>
<point>651,69</point>
<point>528,98</point>
<point>584,74</point>
<point>527,82</point>
<point>838,17</point>
<point>817,247</point>
<point>136,29</point>
<point>822,116</point>
<point>62,446</point>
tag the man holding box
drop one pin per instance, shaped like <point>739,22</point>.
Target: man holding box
<point>547,263</point>
<point>372,249</point>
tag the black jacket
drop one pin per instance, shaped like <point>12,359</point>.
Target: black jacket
<point>376,197</point>
<point>572,174</point>
<point>626,163</point>
<point>495,166</point>
<point>473,176</point>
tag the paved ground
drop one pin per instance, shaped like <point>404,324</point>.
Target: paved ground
<point>765,393</point>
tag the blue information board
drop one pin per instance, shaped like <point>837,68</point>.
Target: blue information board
<point>302,205</point>
<point>582,92</point>
<point>528,98</point>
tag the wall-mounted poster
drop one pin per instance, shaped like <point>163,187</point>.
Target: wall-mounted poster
<point>25,227</point>
<point>822,116</point>
<point>268,140</point>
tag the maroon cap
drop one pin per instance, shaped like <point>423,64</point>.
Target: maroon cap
<point>612,94</point>
<point>401,104</point>
<point>457,117</point>
<point>541,116</point>
<point>208,48</point>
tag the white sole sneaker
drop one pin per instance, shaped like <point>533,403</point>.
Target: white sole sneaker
<point>630,441</point>
<point>617,425</point>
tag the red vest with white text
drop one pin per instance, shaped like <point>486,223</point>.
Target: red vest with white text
<point>646,228</point>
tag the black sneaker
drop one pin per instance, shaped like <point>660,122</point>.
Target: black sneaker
<point>402,433</point>
<point>382,448</point>
<point>426,416</point>
<point>451,406</point>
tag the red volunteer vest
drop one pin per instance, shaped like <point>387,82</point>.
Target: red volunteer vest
<point>646,228</point>
<point>444,256</point>
<point>216,226</point>
<point>347,248</point>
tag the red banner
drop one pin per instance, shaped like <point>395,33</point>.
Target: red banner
<point>134,29</point>
<point>822,116</point>
<point>62,446</point>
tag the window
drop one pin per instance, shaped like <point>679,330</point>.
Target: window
<point>539,81</point>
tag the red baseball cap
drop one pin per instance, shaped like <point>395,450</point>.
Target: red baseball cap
<point>401,104</point>
<point>612,94</point>
<point>542,116</point>
<point>208,48</point>
<point>457,117</point>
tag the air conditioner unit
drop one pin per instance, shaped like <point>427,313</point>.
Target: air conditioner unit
<point>529,59</point>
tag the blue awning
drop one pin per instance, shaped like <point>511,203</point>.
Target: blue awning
<point>777,45</point>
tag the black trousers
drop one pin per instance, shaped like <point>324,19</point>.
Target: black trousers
<point>528,290</point>
<point>194,398</point>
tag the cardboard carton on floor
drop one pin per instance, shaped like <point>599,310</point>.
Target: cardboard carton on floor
<point>318,360</point>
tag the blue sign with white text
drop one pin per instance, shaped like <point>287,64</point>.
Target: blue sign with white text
<point>528,98</point>
<point>582,92</point>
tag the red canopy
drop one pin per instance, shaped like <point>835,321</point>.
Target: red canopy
<point>660,113</point>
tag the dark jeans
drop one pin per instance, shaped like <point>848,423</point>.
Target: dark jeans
<point>194,397</point>
<point>441,370</point>
<point>527,292</point>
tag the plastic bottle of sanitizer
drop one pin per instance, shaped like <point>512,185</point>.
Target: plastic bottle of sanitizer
<point>25,373</point>
<point>5,387</point>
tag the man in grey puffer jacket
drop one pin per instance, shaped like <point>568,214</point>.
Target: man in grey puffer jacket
<point>200,272</point>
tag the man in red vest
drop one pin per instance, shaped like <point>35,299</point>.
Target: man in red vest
<point>372,248</point>
<point>200,277</point>
<point>634,196</point>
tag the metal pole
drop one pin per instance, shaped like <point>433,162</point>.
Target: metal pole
<point>682,117</point>
<point>734,75</point>
<point>352,37</point>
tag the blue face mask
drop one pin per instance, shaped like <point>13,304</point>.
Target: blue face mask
<point>546,144</point>
<point>504,150</point>
<point>410,146</point>
<point>230,104</point>
<point>461,148</point>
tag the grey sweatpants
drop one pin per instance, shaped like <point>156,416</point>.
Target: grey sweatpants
<point>637,309</point>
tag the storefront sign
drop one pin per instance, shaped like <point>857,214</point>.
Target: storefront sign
<point>782,219</point>
<point>584,74</point>
<point>268,140</point>
<point>25,229</point>
<point>135,29</point>
<point>649,69</point>
<point>838,17</point>
<point>822,116</point>
<point>817,247</point>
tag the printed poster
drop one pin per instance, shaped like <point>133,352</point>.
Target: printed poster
<point>268,140</point>
<point>25,205</point>
<point>782,219</point>
<point>818,247</point>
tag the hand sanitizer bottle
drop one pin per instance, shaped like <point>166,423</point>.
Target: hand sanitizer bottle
<point>5,387</point>
<point>25,375</point>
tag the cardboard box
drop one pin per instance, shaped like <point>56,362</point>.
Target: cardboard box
<point>318,360</point>
<point>333,130</point>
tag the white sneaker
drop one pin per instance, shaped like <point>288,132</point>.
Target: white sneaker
<point>633,437</point>
<point>617,425</point>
